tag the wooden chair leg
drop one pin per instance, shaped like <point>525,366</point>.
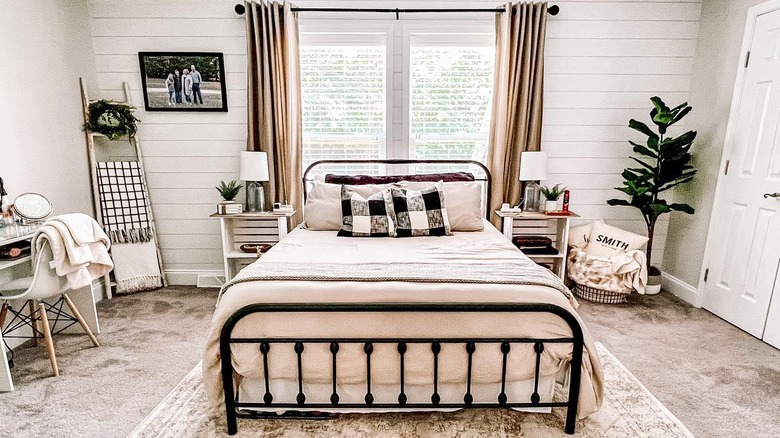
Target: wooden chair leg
<point>3,315</point>
<point>83,323</point>
<point>49,341</point>
<point>36,329</point>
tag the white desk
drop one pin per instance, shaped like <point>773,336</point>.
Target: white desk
<point>83,298</point>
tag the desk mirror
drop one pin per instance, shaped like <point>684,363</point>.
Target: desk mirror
<point>32,207</point>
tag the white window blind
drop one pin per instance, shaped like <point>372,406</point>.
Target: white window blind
<point>344,99</point>
<point>435,88</point>
<point>451,87</point>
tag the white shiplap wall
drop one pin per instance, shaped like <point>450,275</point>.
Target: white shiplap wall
<point>604,60</point>
<point>186,154</point>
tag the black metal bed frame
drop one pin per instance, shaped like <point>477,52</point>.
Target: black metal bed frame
<point>235,409</point>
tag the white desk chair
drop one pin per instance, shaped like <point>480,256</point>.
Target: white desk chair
<point>44,284</point>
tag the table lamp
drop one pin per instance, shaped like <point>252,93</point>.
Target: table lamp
<point>533,168</point>
<point>254,170</point>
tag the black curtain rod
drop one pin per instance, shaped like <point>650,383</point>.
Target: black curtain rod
<point>552,10</point>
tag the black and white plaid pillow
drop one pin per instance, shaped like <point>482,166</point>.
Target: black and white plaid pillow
<point>371,217</point>
<point>420,213</point>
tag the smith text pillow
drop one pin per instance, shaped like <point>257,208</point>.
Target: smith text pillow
<point>608,241</point>
<point>580,236</point>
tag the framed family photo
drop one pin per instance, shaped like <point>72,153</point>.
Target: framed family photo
<point>183,81</point>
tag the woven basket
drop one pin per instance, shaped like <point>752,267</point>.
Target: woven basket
<point>599,296</point>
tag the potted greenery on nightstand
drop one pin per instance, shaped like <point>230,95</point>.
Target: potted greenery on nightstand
<point>551,196</point>
<point>665,164</point>
<point>229,191</point>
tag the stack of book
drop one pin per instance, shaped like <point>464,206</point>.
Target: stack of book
<point>229,208</point>
<point>535,245</point>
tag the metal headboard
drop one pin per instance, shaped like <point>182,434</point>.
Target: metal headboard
<point>487,181</point>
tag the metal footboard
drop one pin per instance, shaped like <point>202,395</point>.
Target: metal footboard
<point>266,345</point>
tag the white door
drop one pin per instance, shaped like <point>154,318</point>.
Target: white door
<point>745,247</point>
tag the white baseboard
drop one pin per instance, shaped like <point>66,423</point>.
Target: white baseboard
<point>680,288</point>
<point>192,277</point>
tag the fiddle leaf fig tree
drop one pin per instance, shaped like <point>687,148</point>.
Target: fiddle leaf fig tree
<point>664,164</point>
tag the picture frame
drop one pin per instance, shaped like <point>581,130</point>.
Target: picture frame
<point>164,90</point>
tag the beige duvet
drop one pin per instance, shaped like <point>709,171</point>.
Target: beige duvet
<point>312,247</point>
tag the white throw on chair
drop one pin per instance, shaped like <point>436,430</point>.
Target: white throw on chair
<point>65,258</point>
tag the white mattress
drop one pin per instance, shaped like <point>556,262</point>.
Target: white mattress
<point>303,246</point>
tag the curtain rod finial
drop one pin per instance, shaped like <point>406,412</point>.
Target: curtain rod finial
<point>553,10</point>
<point>240,9</point>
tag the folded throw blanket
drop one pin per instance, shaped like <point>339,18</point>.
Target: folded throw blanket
<point>138,268</point>
<point>522,271</point>
<point>79,248</point>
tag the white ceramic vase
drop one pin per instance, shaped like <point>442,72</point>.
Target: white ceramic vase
<point>550,205</point>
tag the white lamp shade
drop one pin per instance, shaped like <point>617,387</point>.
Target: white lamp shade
<point>533,166</point>
<point>254,166</point>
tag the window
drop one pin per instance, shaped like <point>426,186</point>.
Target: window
<point>343,90</point>
<point>451,87</point>
<point>396,93</point>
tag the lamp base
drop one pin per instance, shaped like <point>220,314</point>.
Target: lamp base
<point>532,197</point>
<point>255,196</point>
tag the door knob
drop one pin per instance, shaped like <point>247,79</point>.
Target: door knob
<point>772,195</point>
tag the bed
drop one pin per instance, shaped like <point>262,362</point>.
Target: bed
<point>323,323</point>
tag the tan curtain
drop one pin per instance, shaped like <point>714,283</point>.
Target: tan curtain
<point>517,97</point>
<point>274,97</point>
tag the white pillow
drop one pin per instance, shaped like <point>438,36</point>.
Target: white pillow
<point>579,236</point>
<point>322,211</point>
<point>608,241</point>
<point>464,202</point>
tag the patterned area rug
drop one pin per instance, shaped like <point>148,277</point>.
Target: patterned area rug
<point>629,410</point>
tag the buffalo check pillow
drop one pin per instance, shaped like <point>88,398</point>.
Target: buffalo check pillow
<point>420,213</point>
<point>366,217</point>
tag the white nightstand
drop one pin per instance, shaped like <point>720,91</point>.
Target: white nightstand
<point>249,227</point>
<point>541,224</point>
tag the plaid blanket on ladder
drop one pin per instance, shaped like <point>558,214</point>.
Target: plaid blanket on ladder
<point>123,202</point>
<point>127,221</point>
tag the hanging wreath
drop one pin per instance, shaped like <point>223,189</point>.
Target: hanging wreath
<point>114,120</point>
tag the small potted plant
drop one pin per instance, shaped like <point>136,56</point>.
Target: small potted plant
<point>229,191</point>
<point>551,196</point>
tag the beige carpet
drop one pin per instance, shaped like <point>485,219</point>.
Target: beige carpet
<point>719,381</point>
<point>629,410</point>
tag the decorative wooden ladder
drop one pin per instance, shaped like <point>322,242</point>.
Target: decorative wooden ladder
<point>90,136</point>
